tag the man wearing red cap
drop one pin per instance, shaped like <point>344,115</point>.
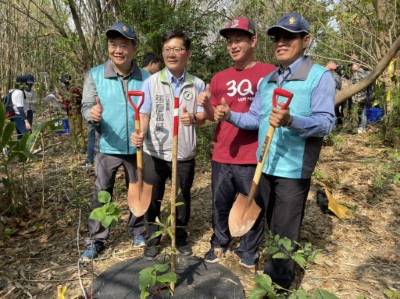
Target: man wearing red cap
<point>234,160</point>
<point>299,132</point>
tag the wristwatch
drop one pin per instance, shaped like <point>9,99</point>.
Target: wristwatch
<point>289,122</point>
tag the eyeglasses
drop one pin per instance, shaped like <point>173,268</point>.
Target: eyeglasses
<point>176,50</point>
<point>286,37</point>
<point>115,47</point>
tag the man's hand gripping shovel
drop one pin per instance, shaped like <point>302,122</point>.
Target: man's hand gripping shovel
<point>245,210</point>
<point>139,193</point>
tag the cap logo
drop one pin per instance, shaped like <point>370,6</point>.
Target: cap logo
<point>124,28</point>
<point>292,20</point>
<point>234,23</point>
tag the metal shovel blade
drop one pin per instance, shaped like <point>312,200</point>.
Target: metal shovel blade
<point>243,215</point>
<point>139,197</point>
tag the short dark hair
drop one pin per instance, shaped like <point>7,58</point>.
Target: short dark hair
<point>170,34</point>
<point>150,57</point>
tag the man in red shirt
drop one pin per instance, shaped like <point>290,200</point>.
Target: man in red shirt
<point>234,156</point>
<point>71,99</point>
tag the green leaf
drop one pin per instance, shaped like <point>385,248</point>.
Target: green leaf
<point>280,255</point>
<point>146,279</point>
<point>167,277</point>
<point>6,134</point>
<point>144,294</point>
<point>257,293</point>
<point>300,260</point>
<point>263,279</point>
<point>156,234</point>
<point>104,196</point>
<point>323,294</point>
<point>287,244</point>
<point>107,221</point>
<point>300,294</point>
<point>161,267</point>
<point>271,250</point>
<point>97,214</point>
<point>110,209</point>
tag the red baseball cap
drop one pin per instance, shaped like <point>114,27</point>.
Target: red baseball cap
<point>242,24</point>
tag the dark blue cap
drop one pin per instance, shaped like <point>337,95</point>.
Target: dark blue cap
<point>30,79</point>
<point>21,79</point>
<point>292,22</point>
<point>123,29</point>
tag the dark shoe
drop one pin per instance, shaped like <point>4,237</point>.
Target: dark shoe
<point>150,252</point>
<point>213,255</point>
<point>246,261</point>
<point>185,249</point>
<point>92,251</point>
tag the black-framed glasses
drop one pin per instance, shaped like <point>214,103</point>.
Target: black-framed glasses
<point>176,50</point>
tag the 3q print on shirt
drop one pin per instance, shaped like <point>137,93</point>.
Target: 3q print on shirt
<point>244,89</point>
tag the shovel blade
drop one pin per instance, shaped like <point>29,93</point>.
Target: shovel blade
<point>139,198</point>
<point>243,215</point>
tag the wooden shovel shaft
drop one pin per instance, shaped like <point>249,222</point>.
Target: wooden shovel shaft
<point>260,164</point>
<point>173,187</point>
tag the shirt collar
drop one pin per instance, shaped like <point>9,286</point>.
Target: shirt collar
<point>175,80</point>
<point>291,69</point>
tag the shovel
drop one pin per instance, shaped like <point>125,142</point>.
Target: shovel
<point>173,188</point>
<point>245,210</point>
<point>139,193</point>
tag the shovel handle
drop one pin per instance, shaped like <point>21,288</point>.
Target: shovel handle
<point>176,116</point>
<point>283,93</point>
<point>136,93</point>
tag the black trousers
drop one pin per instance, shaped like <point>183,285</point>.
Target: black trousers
<point>285,201</point>
<point>156,172</point>
<point>227,181</point>
<point>106,168</point>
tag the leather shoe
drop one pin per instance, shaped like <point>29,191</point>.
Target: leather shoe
<point>185,249</point>
<point>150,252</point>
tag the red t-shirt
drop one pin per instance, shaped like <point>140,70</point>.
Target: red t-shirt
<point>231,144</point>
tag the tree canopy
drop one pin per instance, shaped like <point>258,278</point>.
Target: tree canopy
<point>67,36</point>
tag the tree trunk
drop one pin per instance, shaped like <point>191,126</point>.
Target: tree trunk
<point>344,94</point>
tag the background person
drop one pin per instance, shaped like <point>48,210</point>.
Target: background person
<point>30,99</point>
<point>339,109</point>
<point>297,142</point>
<point>151,63</point>
<point>18,96</point>
<point>234,160</point>
<point>105,104</point>
<point>157,121</point>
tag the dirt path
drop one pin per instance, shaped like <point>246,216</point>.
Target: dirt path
<point>360,256</point>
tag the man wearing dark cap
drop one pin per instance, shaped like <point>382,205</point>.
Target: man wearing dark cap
<point>234,160</point>
<point>30,98</point>
<point>18,97</point>
<point>105,104</point>
<point>297,142</point>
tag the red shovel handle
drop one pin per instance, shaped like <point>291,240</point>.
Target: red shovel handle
<point>176,116</point>
<point>136,93</point>
<point>283,93</point>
